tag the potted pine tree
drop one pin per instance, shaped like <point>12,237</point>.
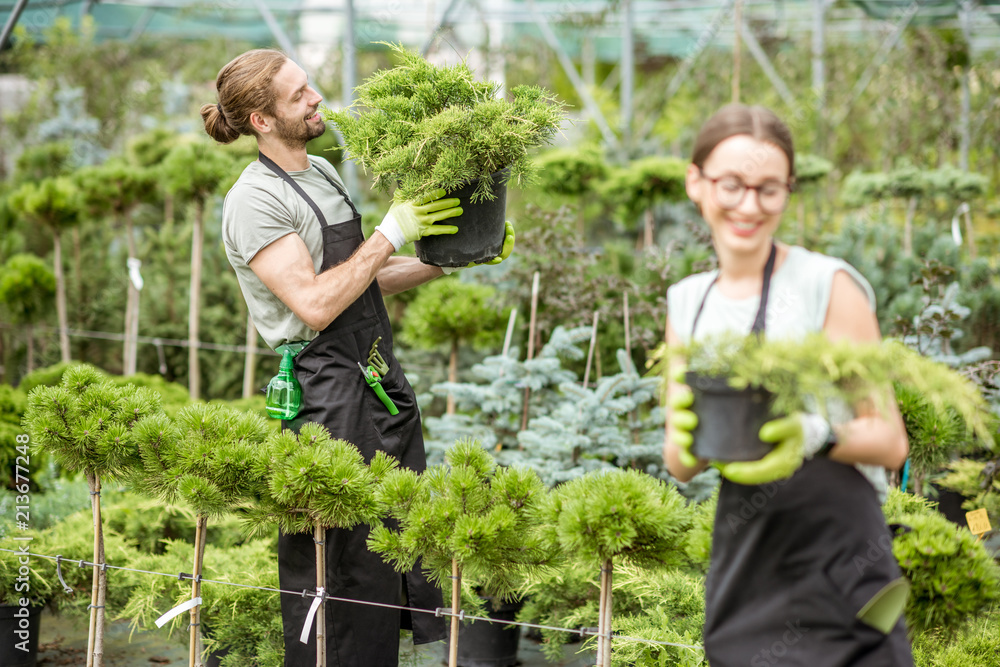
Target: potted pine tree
<point>419,127</point>
<point>739,382</point>
<point>315,482</point>
<point>206,457</point>
<point>470,523</point>
<point>88,424</point>
<point>616,515</point>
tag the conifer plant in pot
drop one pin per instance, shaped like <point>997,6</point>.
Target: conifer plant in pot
<point>419,127</point>
<point>472,524</point>
<point>740,382</point>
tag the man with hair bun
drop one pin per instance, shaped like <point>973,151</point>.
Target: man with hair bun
<point>314,285</point>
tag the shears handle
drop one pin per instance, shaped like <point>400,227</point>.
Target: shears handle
<point>374,381</point>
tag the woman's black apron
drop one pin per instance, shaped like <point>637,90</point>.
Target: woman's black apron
<point>335,394</point>
<point>793,561</point>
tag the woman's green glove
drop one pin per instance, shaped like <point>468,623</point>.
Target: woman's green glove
<point>780,463</point>
<point>682,420</point>
<point>412,220</point>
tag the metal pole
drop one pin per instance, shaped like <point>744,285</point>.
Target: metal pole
<point>11,22</point>
<point>441,24</point>
<point>758,53</point>
<point>965,16</point>
<point>581,89</point>
<point>348,170</point>
<point>627,74</point>
<point>887,46</point>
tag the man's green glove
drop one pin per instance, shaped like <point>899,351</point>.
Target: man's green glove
<point>682,420</point>
<point>780,463</point>
<point>505,252</point>
<point>411,220</point>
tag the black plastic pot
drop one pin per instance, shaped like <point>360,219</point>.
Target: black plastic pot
<point>728,419</point>
<point>484,644</point>
<point>19,632</point>
<point>480,228</point>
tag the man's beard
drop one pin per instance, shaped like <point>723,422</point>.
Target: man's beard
<point>296,133</point>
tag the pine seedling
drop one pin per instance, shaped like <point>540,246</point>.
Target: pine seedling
<point>88,424</point>
<point>608,515</point>
<point>315,482</point>
<point>206,457</point>
<point>467,520</point>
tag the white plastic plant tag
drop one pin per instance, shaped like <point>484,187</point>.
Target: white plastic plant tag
<point>133,272</point>
<point>307,626</point>
<point>176,611</point>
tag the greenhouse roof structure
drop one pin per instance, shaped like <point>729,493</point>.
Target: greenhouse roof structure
<point>662,27</point>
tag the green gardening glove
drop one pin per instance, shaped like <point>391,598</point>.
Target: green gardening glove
<point>411,220</point>
<point>508,244</point>
<point>505,251</point>
<point>780,463</point>
<point>682,420</point>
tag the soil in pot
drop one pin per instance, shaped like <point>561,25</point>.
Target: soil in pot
<point>481,229</point>
<point>19,632</point>
<point>728,419</point>
<point>483,644</point>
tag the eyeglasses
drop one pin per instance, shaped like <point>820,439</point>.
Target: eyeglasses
<point>729,191</point>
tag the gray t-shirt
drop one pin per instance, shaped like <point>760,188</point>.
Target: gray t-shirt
<point>797,305</point>
<point>260,209</point>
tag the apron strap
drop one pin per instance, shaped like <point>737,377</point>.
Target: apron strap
<point>342,191</point>
<point>283,175</point>
<point>759,321</point>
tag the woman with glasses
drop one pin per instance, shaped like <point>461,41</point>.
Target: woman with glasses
<point>791,578</point>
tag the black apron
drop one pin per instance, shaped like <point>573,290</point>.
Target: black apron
<point>793,561</point>
<point>335,394</point>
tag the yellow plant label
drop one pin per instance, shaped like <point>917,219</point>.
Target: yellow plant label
<point>979,521</point>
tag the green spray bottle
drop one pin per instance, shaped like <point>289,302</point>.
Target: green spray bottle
<point>284,394</point>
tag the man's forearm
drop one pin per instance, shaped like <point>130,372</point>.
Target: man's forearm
<point>338,287</point>
<point>399,274</point>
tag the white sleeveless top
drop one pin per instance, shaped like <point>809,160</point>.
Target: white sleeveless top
<point>796,307</point>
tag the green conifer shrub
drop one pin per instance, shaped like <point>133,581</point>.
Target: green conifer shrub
<point>206,458</point>
<point>952,577</point>
<point>421,127</point>
<point>622,515</point>
<point>468,520</point>
<point>978,482</point>
<point>88,424</point>
<point>314,482</point>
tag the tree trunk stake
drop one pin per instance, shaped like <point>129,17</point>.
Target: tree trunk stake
<point>456,602</point>
<point>194,647</point>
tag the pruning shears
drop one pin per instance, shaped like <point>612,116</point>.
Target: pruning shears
<point>373,374</point>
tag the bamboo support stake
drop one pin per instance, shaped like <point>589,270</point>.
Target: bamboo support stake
<point>194,644</point>
<point>604,617</point>
<point>531,344</point>
<point>319,537</point>
<point>590,352</point>
<point>456,602</point>
<point>969,232</point>
<point>509,335</point>
<point>628,335</point>
<point>95,637</point>
<point>911,209</point>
